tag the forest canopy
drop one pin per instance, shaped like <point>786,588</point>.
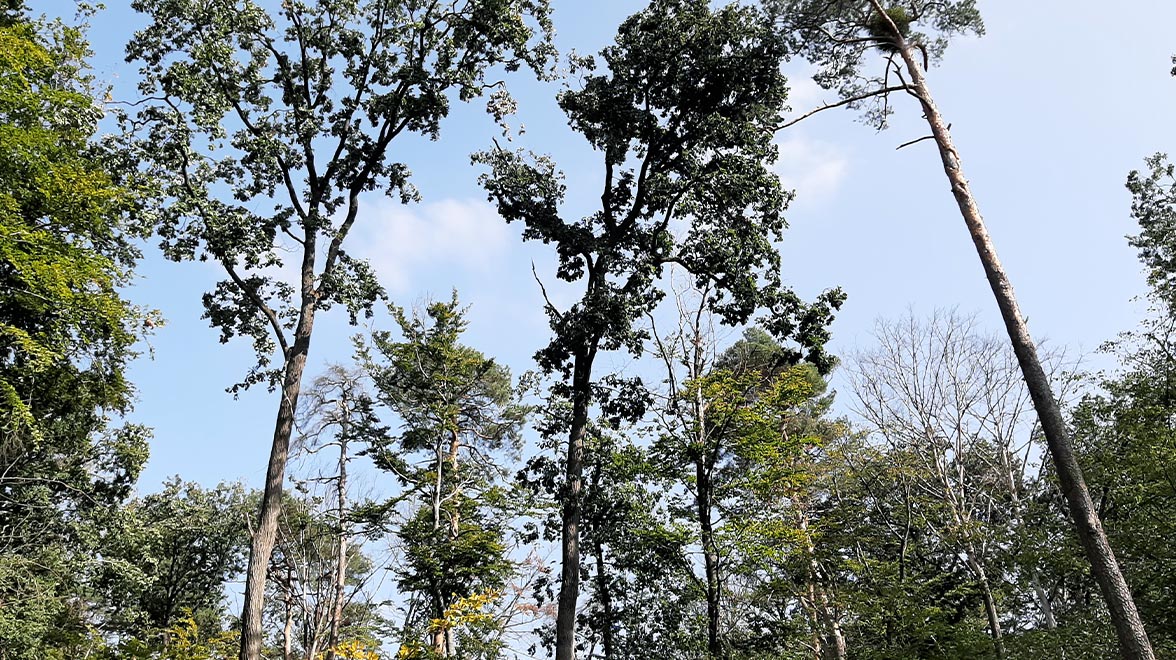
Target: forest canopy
<point>481,329</point>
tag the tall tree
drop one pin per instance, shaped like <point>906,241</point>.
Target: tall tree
<point>460,415</point>
<point>66,334</point>
<point>716,411</point>
<point>337,420</point>
<point>297,110</point>
<point>682,116</point>
<point>839,37</point>
<point>171,557</point>
<point>950,400</point>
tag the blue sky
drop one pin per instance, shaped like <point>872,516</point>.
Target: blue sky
<point>1050,110</point>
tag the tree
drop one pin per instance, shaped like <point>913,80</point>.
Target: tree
<point>66,334</point>
<point>1124,427</point>
<point>170,559</point>
<point>682,117</point>
<point>310,615</point>
<point>297,111</point>
<point>951,400</point>
<point>320,564</point>
<point>718,416</point>
<point>838,37</point>
<point>459,410</point>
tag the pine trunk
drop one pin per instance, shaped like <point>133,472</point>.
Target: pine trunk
<point>1133,640</point>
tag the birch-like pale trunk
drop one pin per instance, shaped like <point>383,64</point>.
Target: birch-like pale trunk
<point>340,578</point>
<point>1133,640</point>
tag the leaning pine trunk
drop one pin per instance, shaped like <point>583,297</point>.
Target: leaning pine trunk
<point>1133,640</point>
<point>266,535</point>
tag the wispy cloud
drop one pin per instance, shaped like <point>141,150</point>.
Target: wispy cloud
<point>408,244</point>
<point>814,169</point>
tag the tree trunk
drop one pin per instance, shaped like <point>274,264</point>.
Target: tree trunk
<point>1133,640</point>
<point>606,633</point>
<point>264,538</point>
<point>1039,593</point>
<point>439,632</point>
<point>569,586</point>
<point>989,607</point>
<point>454,522</point>
<point>341,563</point>
<point>1043,601</point>
<point>825,621</point>
<point>710,558</point>
<point>288,628</point>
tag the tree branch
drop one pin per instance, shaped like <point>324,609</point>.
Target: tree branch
<point>853,99</point>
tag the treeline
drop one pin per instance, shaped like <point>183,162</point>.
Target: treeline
<point>423,501</point>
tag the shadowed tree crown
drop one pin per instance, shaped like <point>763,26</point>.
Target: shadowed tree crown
<point>840,36</point>
<point>681,107</point>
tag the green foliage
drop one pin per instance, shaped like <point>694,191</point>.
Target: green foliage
<point>171,556</point>
<point>438,386</point>
<point>460,415</point>
<point>682,117</point>
<point>882,27</point>
<point>841,38</point>
<point>294,111</point>
<point>1124,430</point>
<point>1153,206</point>
<point>64,250</point>
<point>66,336</point>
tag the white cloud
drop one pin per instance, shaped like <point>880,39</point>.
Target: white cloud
<point>405,243</point>
<point>814,169</point>
<point>804,94</point>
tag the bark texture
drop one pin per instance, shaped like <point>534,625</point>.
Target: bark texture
<point>264,538</point>
<point>569,586</point>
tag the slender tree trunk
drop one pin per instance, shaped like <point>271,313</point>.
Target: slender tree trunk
<point>341,561</point>
<point>825,619</point>
<point>439,633</point>
<point>1039,593</point>
<point>993,620</point>
<point>266,535</point>
<point>1043,601</point>
<point>606,634</point>
<point>454,522</point>
<point>439,599</point>
<point>569,586</point>
<point>1133,640</point>
<point>989,606</point>
<point>836,649</point>
<point>288,629</point>
<point>710,558</point>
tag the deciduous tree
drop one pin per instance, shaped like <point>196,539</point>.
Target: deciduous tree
<point>263,131</point>
<point>681,113</point>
